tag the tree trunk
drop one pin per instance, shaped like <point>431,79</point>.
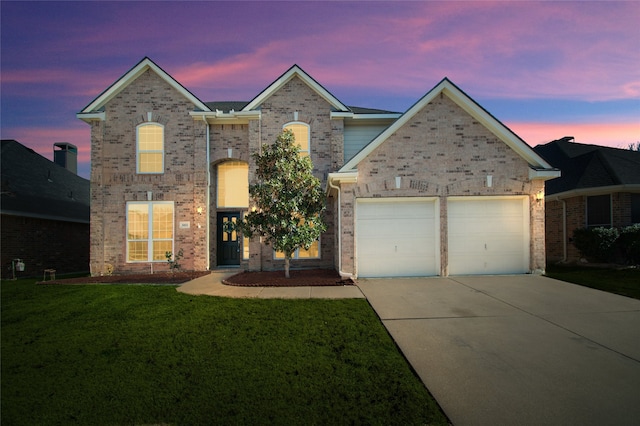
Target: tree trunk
<point>287,257</point>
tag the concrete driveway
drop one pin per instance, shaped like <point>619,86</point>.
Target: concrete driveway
<point>517,350</point>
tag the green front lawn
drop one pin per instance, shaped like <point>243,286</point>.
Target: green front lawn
<point>625,282</point>
<point>150,355</point>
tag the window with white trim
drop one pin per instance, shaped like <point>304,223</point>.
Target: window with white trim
<point>301,133</point>
<point>233,184</point>
<point>150,148</point>
<point>150,231</point>
<point>245,248</point>
<point>312,253</point>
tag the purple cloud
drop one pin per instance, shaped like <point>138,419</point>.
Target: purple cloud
<point>58,56</point>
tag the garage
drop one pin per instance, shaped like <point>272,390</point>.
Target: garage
<point>397,237</point>
<point>488,235</point>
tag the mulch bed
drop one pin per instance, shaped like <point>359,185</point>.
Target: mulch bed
<point>310,277</point>
<point>159,278</point>
<point>299,278</point>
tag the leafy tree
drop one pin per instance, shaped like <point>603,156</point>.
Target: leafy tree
<point>288,199</point>
<point>634,146</point>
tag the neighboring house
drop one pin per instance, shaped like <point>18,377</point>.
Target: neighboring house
<point>600,186</point>
<point>444,188</point>
<point>45,212</point>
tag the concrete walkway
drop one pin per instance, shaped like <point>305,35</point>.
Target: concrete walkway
<point>517,350</point>
<point>211,285</point>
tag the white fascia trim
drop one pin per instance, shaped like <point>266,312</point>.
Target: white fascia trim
<point>282,80</point>
<point>335,179</point>
<point>596,190</point>
<point>468,105</point>
<point>353,163</point>
<point>353,116</point>
<point>220,117</point>
<point>545,174</point>
<point>495,127</point>
<point>91,116</point>
<point>134,73</point>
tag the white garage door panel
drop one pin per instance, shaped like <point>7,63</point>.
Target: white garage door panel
<point>396,238</point>
<point>488,236</point>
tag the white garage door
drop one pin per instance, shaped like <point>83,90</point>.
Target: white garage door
<point>397,238</point>
<point>488,235</point>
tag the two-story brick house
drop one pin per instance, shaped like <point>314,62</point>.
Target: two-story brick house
<point>444,188</point>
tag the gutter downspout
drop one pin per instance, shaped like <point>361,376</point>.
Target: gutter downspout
<point>339,232</point>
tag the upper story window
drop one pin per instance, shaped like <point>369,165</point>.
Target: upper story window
<point>302,136</point>
<point>599,211</point>
<point>233,184</point>
<point>150,148</point>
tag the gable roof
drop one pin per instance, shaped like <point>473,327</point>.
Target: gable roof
<point>537,163</point>
<point>33,186</point>
<point>145,64</point>
<point>589,167</point>
<point>295,71</point>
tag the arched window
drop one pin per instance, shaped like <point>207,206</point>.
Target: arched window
<point>302,136</point>
<point>150,148</point>
<point>233,184</point>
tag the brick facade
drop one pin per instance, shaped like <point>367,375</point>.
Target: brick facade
<point>563,216</point>
<point>442,151</point>
<point>44,244</point>
<point>294,102</point>
<point>114,180</point>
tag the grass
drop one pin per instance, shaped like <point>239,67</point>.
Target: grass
<point>150,355</point>
<point>625,282</point>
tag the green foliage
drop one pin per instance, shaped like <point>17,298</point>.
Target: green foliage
<point>609,244</point>
<point>127,354</point>
<point>288,199</point>
<point>596,244</point>
<point>174,261</point>
<point>629,243</point>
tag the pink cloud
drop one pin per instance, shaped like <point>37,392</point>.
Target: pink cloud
<point>616,135</point>
<point>512,50</point>
<point>516,50</point>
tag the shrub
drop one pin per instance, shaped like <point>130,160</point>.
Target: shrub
<point>174,260</point>
<point>596,244</point>
<point>629,243</point>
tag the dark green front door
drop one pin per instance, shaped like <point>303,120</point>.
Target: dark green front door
<point>228,241</point>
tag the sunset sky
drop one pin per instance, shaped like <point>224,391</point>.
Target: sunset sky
<point>545,69</point>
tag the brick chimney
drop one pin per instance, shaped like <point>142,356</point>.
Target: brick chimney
<point>66,155</point>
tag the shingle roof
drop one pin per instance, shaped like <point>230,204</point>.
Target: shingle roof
<point>226,106</point>
<point>33,186</point>
<point>589,166</point>
<point>361,110</point>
